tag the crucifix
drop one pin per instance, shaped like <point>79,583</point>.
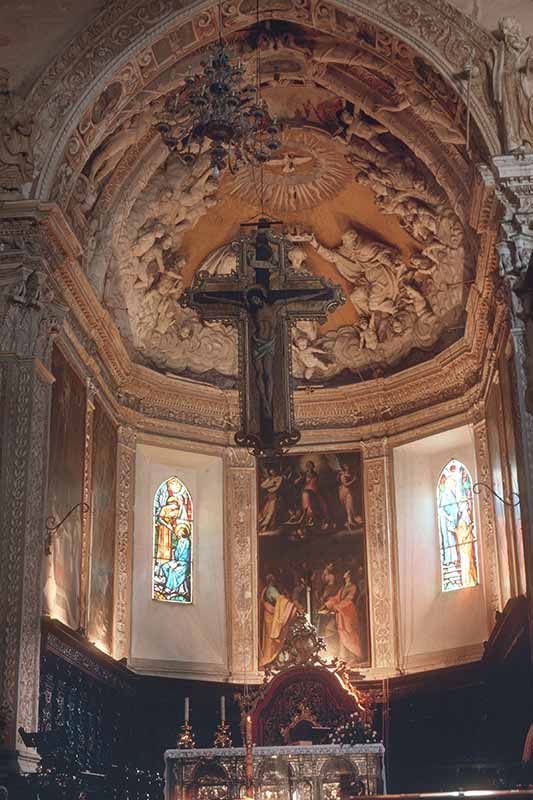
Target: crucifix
<point>263,298</point>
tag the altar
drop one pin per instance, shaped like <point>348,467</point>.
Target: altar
<point>291,772</point>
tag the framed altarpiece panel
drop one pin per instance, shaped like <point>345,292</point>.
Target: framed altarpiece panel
<point>312,553</point>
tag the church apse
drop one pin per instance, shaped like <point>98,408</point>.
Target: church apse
<point>312,553</point>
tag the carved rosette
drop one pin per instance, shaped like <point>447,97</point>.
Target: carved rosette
<point>240,493</point>
<point>488,523</point>
<point>127,440</point>
<point>379,557</point>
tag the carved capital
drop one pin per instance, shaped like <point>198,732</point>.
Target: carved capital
<point>515,244</point>
<point>239,458</point>
<point>30,319</point>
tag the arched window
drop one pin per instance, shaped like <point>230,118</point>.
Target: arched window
<point>173,541</point>
<point>457,530</point>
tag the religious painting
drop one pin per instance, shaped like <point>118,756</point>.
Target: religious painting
<point>65,486</point>
<point>103,528</point>
<point>173,530</point>
<point>458,541</point>
<point>312,553</point>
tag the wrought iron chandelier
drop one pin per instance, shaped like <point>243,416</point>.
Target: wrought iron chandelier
<point>217,106</point>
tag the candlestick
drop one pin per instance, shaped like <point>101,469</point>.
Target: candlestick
<point>186,737</point>
<point>223,709</point>
<point>186,710</point>
<point>223,736</point>
<point>308,598</point>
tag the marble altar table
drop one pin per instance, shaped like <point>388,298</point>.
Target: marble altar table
<point>290,772</point>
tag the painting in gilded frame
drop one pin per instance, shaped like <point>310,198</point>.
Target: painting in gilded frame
<point>312,553</point>
<point>173,532</point>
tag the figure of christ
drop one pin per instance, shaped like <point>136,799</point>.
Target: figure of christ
<point>448,520</point>
<point>277,612</point>
<point>265,309</point>
<point>347,621</point>
<point>314,506</point>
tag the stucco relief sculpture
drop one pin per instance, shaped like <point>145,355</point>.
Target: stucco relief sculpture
<point>16,148</point>
<point>511,64</point>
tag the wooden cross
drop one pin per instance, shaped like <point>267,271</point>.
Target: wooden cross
<point>263,298</point>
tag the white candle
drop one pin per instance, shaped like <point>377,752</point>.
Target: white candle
<point>186,710</point>
<point>308,597</point>
<point>223,709</point>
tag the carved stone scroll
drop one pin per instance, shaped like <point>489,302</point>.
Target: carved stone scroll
<point>127,439</point>
<point>241,577</point>
<point>379,554</point>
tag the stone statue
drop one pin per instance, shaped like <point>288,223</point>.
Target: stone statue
<point>16,151</point>
<point>512,73</point>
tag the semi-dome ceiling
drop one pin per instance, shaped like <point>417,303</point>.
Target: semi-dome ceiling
<point>370,182</point>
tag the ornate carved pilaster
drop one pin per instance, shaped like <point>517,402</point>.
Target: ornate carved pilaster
<point>29,320</point>
<point>488,524</point>
<point>241,558</point>
<point>87,498</point>
<point>125,498</point>
<point>379,553</point>
<point>515,249</point>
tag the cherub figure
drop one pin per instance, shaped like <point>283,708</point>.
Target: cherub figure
<point>360,128</point>
<point>307,353</point>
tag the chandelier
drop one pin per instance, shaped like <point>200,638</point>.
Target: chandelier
<point>218,109</point>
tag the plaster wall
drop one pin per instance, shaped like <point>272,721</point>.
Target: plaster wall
<point>435,627</point>
<point>168,638</point>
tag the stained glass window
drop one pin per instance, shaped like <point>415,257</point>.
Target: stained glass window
<point>457,530</point>
<point>173,540</point>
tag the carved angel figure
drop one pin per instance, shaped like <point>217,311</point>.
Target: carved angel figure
<point>359,127</point>
<point>306,353</point>
<point>16,159</point>
<point>116,145</point>
<point>511,64</point>
<point>411,95</point>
